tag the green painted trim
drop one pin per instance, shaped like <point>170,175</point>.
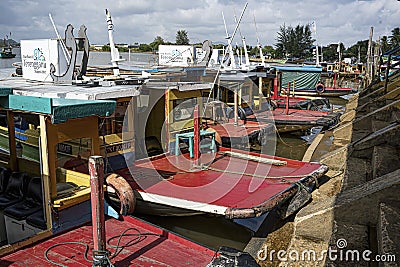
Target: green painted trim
<point>60,109</point>
<point>29,103</point>
<point>87,108</point>
<point>4,91</point>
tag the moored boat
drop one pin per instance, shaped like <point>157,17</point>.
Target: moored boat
<point>306,81</point>
<point>42,201</point>
<point>6,52</point>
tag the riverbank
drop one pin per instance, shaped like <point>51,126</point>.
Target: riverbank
<point>353,218</point>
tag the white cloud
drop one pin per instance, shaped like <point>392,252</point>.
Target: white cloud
<point>141,21</point>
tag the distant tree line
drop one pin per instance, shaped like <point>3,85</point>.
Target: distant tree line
<point>291,42</point>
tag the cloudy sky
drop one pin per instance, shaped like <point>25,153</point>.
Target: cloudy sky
<point>141,21</point>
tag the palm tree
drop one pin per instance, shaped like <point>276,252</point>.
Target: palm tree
<point>395,37</point>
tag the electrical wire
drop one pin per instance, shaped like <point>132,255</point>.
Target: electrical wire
<point>138,237</point>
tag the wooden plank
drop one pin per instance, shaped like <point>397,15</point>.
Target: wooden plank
<point>49,187</point>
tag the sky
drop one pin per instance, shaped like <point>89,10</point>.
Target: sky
<point>346,21</point>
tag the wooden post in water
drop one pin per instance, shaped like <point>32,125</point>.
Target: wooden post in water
<point>196,137</point>
<point>369,56</point>
<point>96,170</point>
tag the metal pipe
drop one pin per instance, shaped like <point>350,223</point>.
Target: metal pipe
<point>235,107</point>
<point>196,132</point>
<point>96,170</point>
<point>287,99</point>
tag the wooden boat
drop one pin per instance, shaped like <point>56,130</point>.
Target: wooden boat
<point>292,120</point>
<point>166,109</point>
<point>240,186</point>
<point>222,186</point>
<point>300,114</point>
<point>43,201</point>
<point>305,81</point>
<point>265,198</point>
<point>6,52</point>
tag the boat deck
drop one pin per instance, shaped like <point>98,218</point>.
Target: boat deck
<point>245,131</point>
<point>296,119</point>
<point>279,116</point>
<point>225,183</point>
<point>144,245</point>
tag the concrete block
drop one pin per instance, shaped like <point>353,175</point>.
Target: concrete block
<point>388,232</point>
<point>356,172</point>
<point>385,159</point>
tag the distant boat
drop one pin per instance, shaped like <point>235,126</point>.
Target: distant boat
<point>6,52</point>
<point>305,81</point>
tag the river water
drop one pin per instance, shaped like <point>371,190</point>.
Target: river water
<point>207,230</point>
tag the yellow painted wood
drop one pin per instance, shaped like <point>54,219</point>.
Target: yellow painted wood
<point>81,179</point>
<point>78,197</point>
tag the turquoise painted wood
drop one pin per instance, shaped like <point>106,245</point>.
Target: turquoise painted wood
<point>190,137</point>
<point>60,109</point>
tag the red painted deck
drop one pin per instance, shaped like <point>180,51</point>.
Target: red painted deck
<point>293,101</point>
<point>328,91</point>
<point>279,116</point>
<point>154,247</point>
<point>249,128</point>
<point>231,183</point>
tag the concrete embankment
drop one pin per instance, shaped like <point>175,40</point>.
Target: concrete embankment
<point>354,217</point>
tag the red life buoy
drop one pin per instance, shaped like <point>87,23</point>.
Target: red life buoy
<point>320,88</point>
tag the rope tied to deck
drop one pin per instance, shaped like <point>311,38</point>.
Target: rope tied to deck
<point>283,179</point>
<point>275,162</point>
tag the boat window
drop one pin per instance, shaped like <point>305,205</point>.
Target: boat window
<point>74,154</point>
<point>143,100</point>
<point>26,135</point>
<point>114,123</point>
<point>183,108</point>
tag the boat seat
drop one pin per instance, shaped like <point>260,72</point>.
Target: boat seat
<point>15,189</point>
<point>37,220</point>
<point>4,177</point>
<point>153,146</point>
<point>33,201</point>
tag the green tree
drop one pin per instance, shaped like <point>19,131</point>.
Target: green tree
<point>294,42</point>
<point>157,41</point>
<point>106,48</point>
<point>385,46</point>
<point>361,47</point>
<point>395,37</point>
<point>145,48</point>
<point>269,51</point>
<point>182,37</point>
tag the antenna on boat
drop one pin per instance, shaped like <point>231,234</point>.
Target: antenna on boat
<point>114,51</point>
<point>63,46</point>
<point>229,38</point>
<point>246,55</point>
<point>258,41</point>
<point>219,69</point>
